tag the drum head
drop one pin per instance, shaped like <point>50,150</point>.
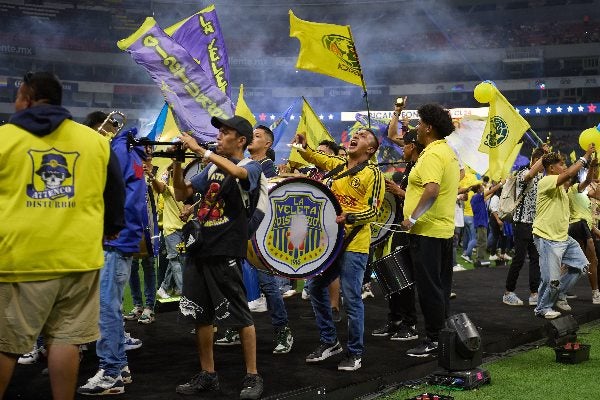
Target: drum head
<point>390,214</point>
<point>298,237</point>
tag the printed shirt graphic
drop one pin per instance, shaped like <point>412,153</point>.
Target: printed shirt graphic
<point>225,230</point>
<point>52,202</point>
<point>53,174</point>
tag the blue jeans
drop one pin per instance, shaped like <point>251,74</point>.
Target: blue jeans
<point>554,283</point>
<point>149,282</point>
<point>284,284</point>
<point>351,269</point>
<point>269,286</point>
<point>174,270</point>
<point>110,348</point>
<point>469,237</point>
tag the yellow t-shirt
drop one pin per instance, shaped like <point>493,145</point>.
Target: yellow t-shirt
<point>551,210</point>
<point>469,180</point>
<point>171,210</point>
<point>436,164</point>
<point>580,207</point>
<point>360,194</point>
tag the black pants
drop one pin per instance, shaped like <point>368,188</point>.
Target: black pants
<point>498,238</point>
<point>402,304</point>
<point>524,245</point>
<point>432,262</point>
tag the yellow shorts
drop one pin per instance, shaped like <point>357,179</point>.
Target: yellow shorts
<point>63,310</point>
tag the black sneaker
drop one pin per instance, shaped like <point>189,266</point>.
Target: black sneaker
<point>284,341</point>
<point>350,363</point>
<point>405,333</point>
<point>252,387</point>
<point>324,351</point>
<point>388,329</point>
<point>426,348</point>
<point>202,382</point>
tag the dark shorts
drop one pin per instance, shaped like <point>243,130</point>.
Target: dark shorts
<point>580,231</point>
<point>214,293</point>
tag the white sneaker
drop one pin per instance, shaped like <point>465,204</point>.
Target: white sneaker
<point>506,257</point>
<point>596,296</point>
<point>288,293</point>
<point>101,384</point>
<point>258,305</point>
<point>563,305</point>
<point>466,258</point>
<point>305,294</point>
<point>551,314</point>
<point>131,343</point>
<point>458,268</point>
<point>512,299</point>
<point>494,258</point>
<point>533,299</point>
<point>162,293</point>
<point>31,357</point>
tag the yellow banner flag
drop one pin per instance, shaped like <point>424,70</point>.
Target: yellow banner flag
<point>510,161</point>
<point>573,157</point>
<point>314,130</point>
<point>242,109</point>
<point>326,49</point>
<point>504,129</point>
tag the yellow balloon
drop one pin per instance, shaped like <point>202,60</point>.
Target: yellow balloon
<point>483,92</point>
<point>591,135</point>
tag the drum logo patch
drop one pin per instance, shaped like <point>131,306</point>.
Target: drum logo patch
<point>52,175</point>
<point>296,234</point>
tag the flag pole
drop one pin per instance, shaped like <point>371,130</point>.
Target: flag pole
<point>362,79</point>
<point>535,135</point>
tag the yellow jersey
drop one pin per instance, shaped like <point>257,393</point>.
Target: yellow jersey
<point>360,194</point>
<point>438,164</point>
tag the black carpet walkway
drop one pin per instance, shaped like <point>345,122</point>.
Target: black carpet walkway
<point>168,356</point>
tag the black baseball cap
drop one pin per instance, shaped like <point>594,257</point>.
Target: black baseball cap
<point>240,124</point>
<point>410,136</point>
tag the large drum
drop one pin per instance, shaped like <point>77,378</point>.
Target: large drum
<point>392,272</point>
<point>298,237</point>
<point>388,218</point>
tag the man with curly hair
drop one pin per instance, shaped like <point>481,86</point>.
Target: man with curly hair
<point>429,218</point>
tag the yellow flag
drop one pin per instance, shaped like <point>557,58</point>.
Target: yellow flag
<point>326,49</point>
<point>504,129</point>
<point>510,161</point>
<point>169,132</point>
<point>313,128</point>
<point>573,157</point>
<point>242,109</point>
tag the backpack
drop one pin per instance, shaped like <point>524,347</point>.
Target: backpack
<point>509,199</point>
<point>255,201</point>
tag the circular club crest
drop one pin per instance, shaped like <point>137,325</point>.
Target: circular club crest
<point>389,214</point>
<point>298,237</point>
<point>343,48</point>
<point>498,133</point>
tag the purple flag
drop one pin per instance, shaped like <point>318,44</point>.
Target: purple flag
<point>201,36</point>
<point>182,81</point>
